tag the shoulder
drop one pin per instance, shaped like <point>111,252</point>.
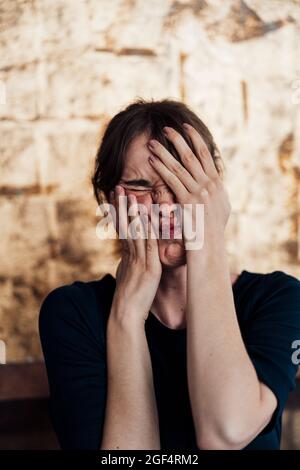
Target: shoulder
<point>272,305</point>
<point>272,326</point>
<point>268,300</point>
<point>77,301</point>
<point>280,279</point>
<point>259,287</point>
<point>276,286</point>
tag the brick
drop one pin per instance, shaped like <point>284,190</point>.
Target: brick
<point>22,93</point>
<point>97,83</point>
<point>26,236</point>
<point>79,248</point>
<point>70,155</point>
<point>18,157</point>
<point>19,42</point>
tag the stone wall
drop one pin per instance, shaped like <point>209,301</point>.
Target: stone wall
<point>66,67</point>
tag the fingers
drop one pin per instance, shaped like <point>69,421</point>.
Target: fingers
<point>152,253</point>
<point>171,178</point>
<point>142,233</point>
<point>112,201</point>
<point>136,228</point>
<point>122,221</point>
<point>202,151</point>
<point>185,178</point>
<point>130,226</point>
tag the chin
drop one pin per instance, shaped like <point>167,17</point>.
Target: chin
<point>172,253</point>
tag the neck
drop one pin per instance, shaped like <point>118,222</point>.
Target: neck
<point>170,300</point>
<point>173,279</point>
<point>169,304</point>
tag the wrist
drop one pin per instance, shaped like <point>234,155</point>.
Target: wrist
<point>213,251</point>
<point>122,319</point>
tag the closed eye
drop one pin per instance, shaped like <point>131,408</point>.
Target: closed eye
<point>148,190</point>
<point>139,190</point>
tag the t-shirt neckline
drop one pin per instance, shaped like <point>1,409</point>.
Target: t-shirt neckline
<point>153,320</point>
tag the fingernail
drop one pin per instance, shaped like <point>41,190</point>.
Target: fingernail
<point>185,125</point>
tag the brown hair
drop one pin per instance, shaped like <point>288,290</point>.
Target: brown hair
<point>139,117</point>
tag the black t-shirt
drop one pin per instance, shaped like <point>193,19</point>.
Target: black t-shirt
<point>72,325</point>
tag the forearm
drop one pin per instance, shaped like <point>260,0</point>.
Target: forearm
<point>223,384</point>
<point>131,420</point>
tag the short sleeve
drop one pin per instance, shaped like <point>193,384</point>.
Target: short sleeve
<point>71,336</point>
<point>274,325</point>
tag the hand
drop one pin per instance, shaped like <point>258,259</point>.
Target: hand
<point>196,181</point>
<point>139,271</point>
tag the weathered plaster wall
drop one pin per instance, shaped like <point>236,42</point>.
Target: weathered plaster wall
<point>68,66</point>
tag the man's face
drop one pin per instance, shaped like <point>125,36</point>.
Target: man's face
<point>140,179</point>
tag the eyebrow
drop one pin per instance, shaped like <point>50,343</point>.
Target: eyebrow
<point>138,182</point>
